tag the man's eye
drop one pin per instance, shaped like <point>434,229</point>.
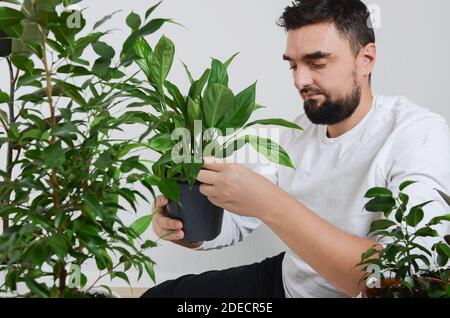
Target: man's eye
<point>318,66</point>
<point>293,67</point>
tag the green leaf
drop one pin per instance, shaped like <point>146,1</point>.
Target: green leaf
<point>54,156</point>
<point>101,66</point>
<point>176,95</point>
<point>375,192</point>
<point>102,259</point>
<point>191,171</point>
<point>218,74</point>
<point>217,102</point>
<point>439,219</point>
<point>9,16</point>
<point>230,60</point>
<point>194,112</point>
<point>36,288</point>
<point>150,270</point>
<point>241,110</point>
<point>170,189</point>
<point>152,26</point>
<point>370,252</point>
<point>445,196</point>
<point>134,21</point>
<point>11,1</point>
<point>161,143</point>
<point>197,86</point>
<point>92,206</point>
<point>391,251</point>
<point>74,70</point>
<point>121,275</point>
<point>4,97</point>
<point>406,184</point>
<point>188,73</point>
<point>380,204</point>
<point>151,9</point>
<point>103,50</point>
<point>382,224</point>
<point>148,244</point>
<point>426,232</point>
<point>447,239</point>
<point>274,121</point>
<point>129,196</point>
<point>267,147</point>
<point>58,244</point>
<point>441,260</point>
<point>414,217</point>
<point>39,252</point>
<point>141,225</point>
<point>23,63</point>
<point>64,130</point>
<point>144,51</point>
<point>104,19</point>
<point>162,61</point>
<point>443,249</point>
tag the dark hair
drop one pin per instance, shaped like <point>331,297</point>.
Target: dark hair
<point>350,17</point>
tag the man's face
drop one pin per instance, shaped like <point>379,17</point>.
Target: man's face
<point>325,73</point>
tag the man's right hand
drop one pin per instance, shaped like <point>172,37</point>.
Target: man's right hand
<point>167,228</point>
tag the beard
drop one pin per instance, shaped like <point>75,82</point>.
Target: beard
<point>331,110</point>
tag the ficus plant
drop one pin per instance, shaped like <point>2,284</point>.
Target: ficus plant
<point>209,120</point>
<point>414,269</point>
<point>69,174</point>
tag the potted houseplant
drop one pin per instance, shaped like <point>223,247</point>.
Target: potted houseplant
<point>207,121</point>
<point>69,175</point>
<point>406,268</point>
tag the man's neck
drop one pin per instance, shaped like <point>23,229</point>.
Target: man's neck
<point>361,111</point>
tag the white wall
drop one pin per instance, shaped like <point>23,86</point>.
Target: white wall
<point>413,50</point>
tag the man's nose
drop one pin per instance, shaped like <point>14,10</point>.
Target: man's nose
<point>302,77</point>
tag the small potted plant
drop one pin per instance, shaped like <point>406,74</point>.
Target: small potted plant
<point>69,175</point>
<point>207,121</point>
<point>404,267</point>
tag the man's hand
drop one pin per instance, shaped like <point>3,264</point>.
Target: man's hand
<point>237,189</point>
<point>167,228</point>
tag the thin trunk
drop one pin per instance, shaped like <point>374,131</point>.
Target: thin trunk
<point>9,156</point>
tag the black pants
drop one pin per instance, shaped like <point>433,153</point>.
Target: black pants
<point>259,280</point>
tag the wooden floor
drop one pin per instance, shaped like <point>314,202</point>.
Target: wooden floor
<point>126,292</point>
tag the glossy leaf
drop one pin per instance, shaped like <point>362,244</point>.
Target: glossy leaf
<point>142,224</point>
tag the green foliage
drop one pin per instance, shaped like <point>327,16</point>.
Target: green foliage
<point>404,258</point>
<point>62,192</point>
<point>219,112</point>
<point>72,179</point>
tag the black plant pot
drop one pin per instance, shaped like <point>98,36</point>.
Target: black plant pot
<point>202,220</point>
<point>5,45</point>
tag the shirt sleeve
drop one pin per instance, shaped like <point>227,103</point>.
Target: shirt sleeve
<point>422,154</point>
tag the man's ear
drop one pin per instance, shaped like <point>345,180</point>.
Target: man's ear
<point>369,56</point>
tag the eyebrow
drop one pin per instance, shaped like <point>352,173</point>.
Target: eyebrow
<point>310,56</point>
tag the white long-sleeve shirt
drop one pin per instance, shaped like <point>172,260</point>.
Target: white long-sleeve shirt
<point>395,142</point>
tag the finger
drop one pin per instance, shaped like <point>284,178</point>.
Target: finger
<point>208,176</point>
<point>169,224</point>
<point>172,235</point>
<point>160,202</point>
<point>215,164</point>
<point>207,190</point>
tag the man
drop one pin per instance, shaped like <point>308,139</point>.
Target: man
<point>352,141</point>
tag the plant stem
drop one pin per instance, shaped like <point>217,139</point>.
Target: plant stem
<point>9,159</point>
<point>53,179</point>
<point>62,278</point>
